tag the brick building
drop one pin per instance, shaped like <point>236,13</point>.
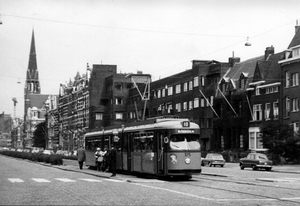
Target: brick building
<point>290,93</point>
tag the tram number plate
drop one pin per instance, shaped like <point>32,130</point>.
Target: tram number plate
<point>187,154</point>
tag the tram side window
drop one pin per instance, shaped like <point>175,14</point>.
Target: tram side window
<point>89,144</point>
<point>97,143</point>
<point>106,141</point>
<point>118,145</point>
<point>125,142</point>
<point>136,142</point>
<point>143,141</point>
<point>149,141</point>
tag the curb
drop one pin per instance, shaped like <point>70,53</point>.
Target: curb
<point>215,174</point>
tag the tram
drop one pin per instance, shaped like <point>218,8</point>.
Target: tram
<point>160,146</point>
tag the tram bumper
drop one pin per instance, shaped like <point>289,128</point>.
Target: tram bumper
<point>184,172</point>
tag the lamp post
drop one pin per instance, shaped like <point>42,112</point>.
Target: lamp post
<point>48,141</point>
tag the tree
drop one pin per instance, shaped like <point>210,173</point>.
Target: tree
<point>281,140</point>
<point>39,135</point>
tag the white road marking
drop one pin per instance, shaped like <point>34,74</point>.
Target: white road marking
<point>40,180</point>
<point>113,180</point>
<point>201,197</point>
<point>290,198</point>
<point>91,180</point>
<point>65,180</point>
<point>295,179</point>
<point>15,180</point>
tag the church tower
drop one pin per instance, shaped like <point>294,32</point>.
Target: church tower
<point>32,84</point>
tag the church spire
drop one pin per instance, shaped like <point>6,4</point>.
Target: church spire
<point>32,76</point>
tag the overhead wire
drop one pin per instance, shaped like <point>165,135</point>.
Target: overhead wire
<point>121,28</point>
<point>148,30</point>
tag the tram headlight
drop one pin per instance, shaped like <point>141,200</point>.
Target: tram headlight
<point>173,158</point>
<point>187,161</point>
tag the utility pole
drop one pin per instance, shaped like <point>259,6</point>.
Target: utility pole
<point>15,127</point>
<point>15,105</point>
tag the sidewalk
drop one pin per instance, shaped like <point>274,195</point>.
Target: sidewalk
<point>276,168</point>
<point>72,165</point>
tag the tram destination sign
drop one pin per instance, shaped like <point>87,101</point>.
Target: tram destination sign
<point>186,131</point>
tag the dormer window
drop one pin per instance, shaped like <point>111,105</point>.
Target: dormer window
<point>257,91</point>
<point>243,78</point>
<point>242,83</point>
<point>223,87</point>
<point>296,52</point>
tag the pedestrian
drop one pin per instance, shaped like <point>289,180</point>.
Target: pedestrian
<point>113,160</point>
<point>80,156</point>
<point>106,160</point>
<point>99,159</point>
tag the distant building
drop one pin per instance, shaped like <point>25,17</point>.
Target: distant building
<point>92,101</point>
<point>6,125</point>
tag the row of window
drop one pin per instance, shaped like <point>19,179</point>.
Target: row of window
<point>268,90</point>
<point>168,90</point>
<point>291,79</point>
<point>258,111</point>
<point>99,116</point>
<point>119,86</point>
<point>185,106</point>
<point>294,105</point>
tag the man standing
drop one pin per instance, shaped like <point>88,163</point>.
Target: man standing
<point>113,160</point>
<point>80,156</point>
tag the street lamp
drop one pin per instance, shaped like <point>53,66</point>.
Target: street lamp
<point>247,43</point>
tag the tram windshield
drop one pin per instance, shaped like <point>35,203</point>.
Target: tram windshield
<point>184,142</point>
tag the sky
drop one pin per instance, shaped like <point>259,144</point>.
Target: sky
<point>157,37</point>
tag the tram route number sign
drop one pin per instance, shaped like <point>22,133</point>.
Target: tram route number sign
<point>185,124</point>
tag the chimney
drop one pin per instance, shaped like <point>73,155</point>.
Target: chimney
<point>269,51</point>
<point>296,27</point>
<point>233,60</point>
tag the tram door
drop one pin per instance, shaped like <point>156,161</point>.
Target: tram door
<point>128,150</point>
<point>160,153</point>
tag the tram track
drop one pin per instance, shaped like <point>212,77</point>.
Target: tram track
<point>195,183</point>
<point>247,183</point>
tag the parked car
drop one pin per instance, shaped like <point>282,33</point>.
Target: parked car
<point>36,150</point>
<point>26,150</point>
<point>256,161</point>
<point>213,159</point>
<point>62,152</point>
<point>48,152</point>
<point>19,150</point>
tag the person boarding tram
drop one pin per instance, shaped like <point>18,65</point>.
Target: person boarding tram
<point>99,155</point>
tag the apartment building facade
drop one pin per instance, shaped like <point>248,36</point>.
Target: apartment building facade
<point>290,92</point>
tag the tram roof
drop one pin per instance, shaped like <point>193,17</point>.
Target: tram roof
<point>163,123</point>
